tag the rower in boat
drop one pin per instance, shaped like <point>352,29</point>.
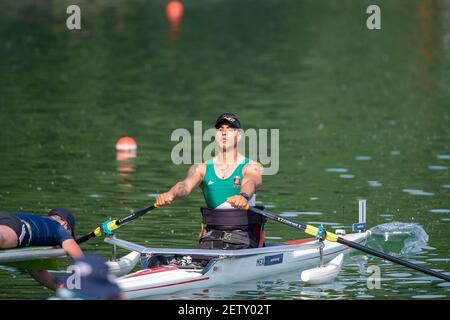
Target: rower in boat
<point>23,230</point>
<point>229,182</point>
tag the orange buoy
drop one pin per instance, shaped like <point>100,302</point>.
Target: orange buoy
<point>126,144</point>
<point>174,11</point>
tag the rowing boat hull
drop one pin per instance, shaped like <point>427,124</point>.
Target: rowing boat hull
<point>228,269</point>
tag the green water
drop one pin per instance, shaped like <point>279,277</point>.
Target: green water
<point>311,69</point>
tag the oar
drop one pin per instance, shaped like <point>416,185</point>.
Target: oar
<point>311,230</point>
<point>115,224</point>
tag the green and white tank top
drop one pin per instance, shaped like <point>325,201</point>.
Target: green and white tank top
<point>216,190</point>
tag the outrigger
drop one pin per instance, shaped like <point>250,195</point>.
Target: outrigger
<point>228,266</point>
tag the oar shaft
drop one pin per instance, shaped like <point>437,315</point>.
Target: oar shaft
<point>385,256</point>
<point>86,237</point>
<point>97,232</point>
<point>311,230</point>
<point>135,215</point>
<point>273,216</point>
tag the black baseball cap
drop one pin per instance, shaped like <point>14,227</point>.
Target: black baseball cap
<point>65,214</point>
<point>230,118</point>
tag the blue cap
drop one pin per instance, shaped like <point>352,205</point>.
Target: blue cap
<point>65,214</point>
<point>95,282</point>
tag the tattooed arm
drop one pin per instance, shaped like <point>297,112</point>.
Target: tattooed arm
<point>252,178</point>
<point>252,181</point>
<point>183,188</point>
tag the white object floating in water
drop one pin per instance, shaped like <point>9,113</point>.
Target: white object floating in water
<point>347,176</point>
<point>323,274</point>
<point>395,153</point>
<point>443,156</point>
<point>363,158</point>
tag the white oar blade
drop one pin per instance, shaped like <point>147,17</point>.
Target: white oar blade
<point>325,274</point>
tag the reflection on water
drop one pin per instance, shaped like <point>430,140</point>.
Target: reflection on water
<point>438,167</point>
<point>374,183</point>
<point>125,168</point>
<point>417,192</point>
<point>174,12</point>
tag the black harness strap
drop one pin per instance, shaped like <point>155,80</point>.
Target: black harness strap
<point>233,218</point>
<point>237,237</point>
<point>229,229</point>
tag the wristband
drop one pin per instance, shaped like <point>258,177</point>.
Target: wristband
<point>245,195</point>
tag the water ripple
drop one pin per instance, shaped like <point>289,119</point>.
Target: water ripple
<point>437,168</point>
<point>418,192</point>
<point>336,170</point>
<point>440,210</point>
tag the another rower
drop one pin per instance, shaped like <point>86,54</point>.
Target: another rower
<point>23,230</point>
<point>95,282</point>
<point>229,182</point>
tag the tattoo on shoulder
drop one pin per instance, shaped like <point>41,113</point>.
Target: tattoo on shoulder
<point>193,169</point>
<point>256,168</point>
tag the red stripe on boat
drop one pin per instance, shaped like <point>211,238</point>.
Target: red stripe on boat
<point>168,285</point>
<point>152,270</point>
<point>300,241</point>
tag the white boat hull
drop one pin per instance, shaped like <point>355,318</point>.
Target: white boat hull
<point>228,269</point>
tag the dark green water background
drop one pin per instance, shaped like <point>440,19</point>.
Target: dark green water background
<point>312,69</point>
